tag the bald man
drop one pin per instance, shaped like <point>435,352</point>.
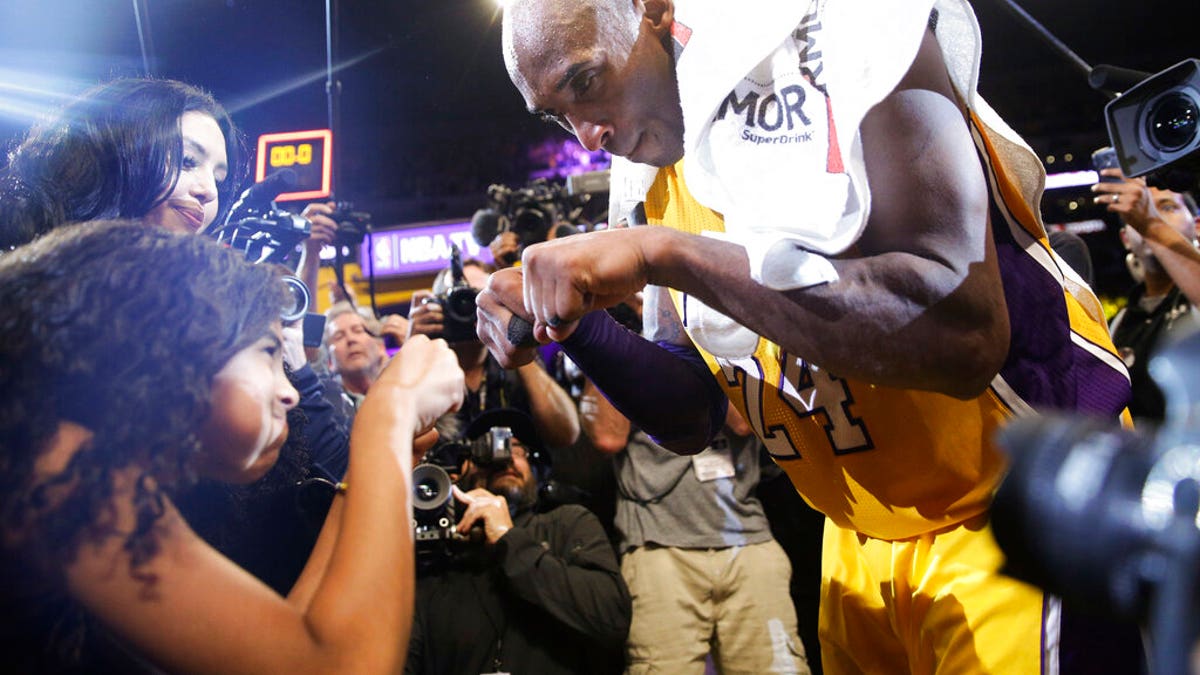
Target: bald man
<point>848,248</point>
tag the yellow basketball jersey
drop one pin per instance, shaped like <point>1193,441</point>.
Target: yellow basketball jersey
<point>894,463</point>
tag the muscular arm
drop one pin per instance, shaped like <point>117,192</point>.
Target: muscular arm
<point>604,425</point>
<point>552,408</point>
<point>919,303</point>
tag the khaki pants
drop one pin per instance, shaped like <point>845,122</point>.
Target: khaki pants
<point>733,602</point>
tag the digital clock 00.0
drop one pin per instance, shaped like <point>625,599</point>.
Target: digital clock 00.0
<point>307,153</point>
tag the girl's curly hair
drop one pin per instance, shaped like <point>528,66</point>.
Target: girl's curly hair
<point>119,327</point>
<point>113,152</point>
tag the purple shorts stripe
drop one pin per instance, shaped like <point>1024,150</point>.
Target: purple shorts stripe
<point>1090,644</point>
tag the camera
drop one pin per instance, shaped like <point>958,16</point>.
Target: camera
<point>435,517</point>
<point>458,303</point>
<point>1106,158</point>
<point>298,300</point>
<point>530,212</point>
<point>1108,518</point>
<point>266,237</point>
<point>264,233</point>
<point>433,504</point>
<point>1155,125</point>
<point>435,511</point>
<point>493,448</point>
<point>260,229</point>
<point>353,225</point>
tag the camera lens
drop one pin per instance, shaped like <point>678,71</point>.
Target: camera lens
<point>531,223</point>
<point>426,490</point>
<point>296,303</point>
<point>431,487</point>
<point>460,305</point>
<point>1172,121</point>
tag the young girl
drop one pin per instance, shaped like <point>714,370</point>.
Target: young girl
<point>100,428</point>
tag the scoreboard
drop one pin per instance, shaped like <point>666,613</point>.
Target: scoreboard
<point>308,153</point>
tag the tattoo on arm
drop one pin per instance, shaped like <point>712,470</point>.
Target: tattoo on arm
<point>660,321</point>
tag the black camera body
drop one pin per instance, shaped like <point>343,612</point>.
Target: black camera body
<point>257,227</point>
<point>458,303</point>
<point>435,511</point>
<point>493,448</point>
<point>268,235</point>
<point>1108,518</point>
<point>435,518</point>
<point>434,514</point>
<point>531,212</point>
<point>265,233</point>
<point>353,225</point>
<point>458,313</point>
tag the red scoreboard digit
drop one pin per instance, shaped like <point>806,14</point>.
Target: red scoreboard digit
<point>308,153</point>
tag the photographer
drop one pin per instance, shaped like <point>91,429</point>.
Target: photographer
<point>529,388</point>
<point>356,352</point>
<point>324,232</point>
<point>533,592</point>
<point>515,219</point>
<point>1160,234</point>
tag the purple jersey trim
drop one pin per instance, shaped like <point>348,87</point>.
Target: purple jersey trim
<point>1045,367</point>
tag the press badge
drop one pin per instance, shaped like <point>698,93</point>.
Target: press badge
<point>715,462</point>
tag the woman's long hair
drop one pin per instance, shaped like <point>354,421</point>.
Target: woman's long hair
<point>113,152</point>
<point>120,328</point>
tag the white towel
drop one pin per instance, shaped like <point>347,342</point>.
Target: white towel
<point>757,143</point>
<point>764,145</point>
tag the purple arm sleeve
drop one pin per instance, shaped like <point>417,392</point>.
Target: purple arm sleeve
<point>665,389</point>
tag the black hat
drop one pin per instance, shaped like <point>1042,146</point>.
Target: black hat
<point>521,425</point>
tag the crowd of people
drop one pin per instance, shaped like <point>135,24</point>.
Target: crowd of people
<point>827,268</point>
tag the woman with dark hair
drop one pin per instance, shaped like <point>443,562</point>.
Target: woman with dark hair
<point>100,429</point>
<point>167,153</point>
<point>159,150</point>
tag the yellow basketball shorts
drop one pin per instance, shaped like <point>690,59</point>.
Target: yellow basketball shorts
<point>935,603</point>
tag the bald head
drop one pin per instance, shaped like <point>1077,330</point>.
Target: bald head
<point>536,34</point>
<point>603,69</point>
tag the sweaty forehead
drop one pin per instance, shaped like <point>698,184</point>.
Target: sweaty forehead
<point>542,38</point>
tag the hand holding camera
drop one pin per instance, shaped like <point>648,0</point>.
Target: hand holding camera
<point>334,224</point>
<point>518,218</point>
<point>324,228</point>
<point>484,507</point>
<point>505,248</point>
<point>425,317</point>
<point>449,314</point>
<point>1129,198</point>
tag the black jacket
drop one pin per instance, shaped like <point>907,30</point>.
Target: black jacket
<point>1138,334</point>
<point>548,598</point>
